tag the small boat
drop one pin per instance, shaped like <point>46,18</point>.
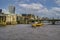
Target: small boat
<point>37,24</point>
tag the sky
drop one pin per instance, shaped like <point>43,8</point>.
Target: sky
<point>41,8</point>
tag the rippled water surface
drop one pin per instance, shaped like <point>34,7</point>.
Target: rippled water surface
<point>26,32</point>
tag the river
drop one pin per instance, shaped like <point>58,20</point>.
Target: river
<point>26,32</point>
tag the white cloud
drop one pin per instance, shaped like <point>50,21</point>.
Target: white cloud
<point>54,11</point>
<point>39,9</point>
<point>57,2</point>
<point>44,10</point>
<point>5,11</point>
<point>57,9</point>
<point>32,6</point>
<point>21,1</point>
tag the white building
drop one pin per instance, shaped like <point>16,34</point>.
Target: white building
<point>8,18</point>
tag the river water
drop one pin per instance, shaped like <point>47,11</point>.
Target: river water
<point>26,32</point>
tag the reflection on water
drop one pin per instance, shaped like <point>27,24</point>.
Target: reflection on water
<point>26,32</point>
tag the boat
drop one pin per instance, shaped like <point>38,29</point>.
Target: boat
<point>37,24</point>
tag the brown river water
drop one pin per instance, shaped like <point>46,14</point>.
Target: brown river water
<point>26,32</point>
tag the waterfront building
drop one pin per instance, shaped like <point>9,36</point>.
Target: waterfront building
<point>11,19</point>
<point>8,18</point>
<point>28,18</point>
<point>19,19</point>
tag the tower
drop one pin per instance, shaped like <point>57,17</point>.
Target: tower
<point>11,9</point>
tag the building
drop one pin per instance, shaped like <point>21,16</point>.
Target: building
<point>0,10</point>
<point>8,18</point>
<point>11,9</point>
<point>11,19</point>
<point>20,19</point>
<point>28,17</point>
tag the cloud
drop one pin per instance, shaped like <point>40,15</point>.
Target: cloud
<point>32,6</point>
<point>5,11</point>
<point>39,9</point>
<point>57,2</point>
<point>57,9</point>
<point>54,12</point>
<point>30,1</point>
<point>27,6</point>
<point>21,1</point>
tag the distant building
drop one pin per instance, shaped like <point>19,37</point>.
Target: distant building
<point>19,19</point>
<point>28,17</point>
<point>0,10</point>
<point>11,9</point>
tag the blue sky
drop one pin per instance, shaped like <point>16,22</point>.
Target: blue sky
<point>44,8</point>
